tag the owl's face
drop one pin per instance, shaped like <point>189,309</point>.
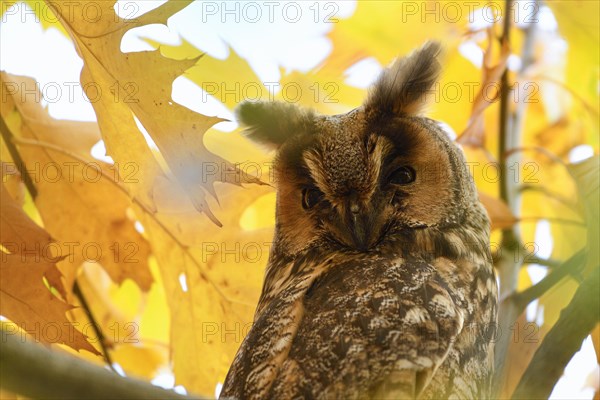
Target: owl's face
<point>354,180</point>
<point>351,182</point>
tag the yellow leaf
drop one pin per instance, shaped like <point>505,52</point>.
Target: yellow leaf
<point>214,76</point>
<point>212,278</point>
<point>140,361</point>
<point>579,22</point>
<point>140,83</point>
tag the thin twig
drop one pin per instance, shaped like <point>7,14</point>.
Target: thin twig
<point>533,218</point>
<point>9,140</point>
<point>505,134</point>
<point>99,334</point>
<point>546,262</point>
<point>16,157</point>
<point>572,266</point>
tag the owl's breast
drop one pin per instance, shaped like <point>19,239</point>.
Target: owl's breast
<point>342,330</point>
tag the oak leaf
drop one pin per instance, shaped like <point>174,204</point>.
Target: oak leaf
<point>79,199</point>
<point>140,85</point>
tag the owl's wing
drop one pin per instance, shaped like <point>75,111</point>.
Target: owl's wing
<point>372,329</point>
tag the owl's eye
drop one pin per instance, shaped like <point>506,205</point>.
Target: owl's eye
<point>403,176</point>
<point>310,197</point>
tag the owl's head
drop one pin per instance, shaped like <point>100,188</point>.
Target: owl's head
<point>352,180</point>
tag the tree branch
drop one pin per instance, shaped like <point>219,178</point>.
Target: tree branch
<point>576,321</point>
<point>510,134</point>
<point>31,370</point>
<point>507,266</point>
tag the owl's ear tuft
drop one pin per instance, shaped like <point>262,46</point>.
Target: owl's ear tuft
<point>401,88</point>
<point>273,123</point>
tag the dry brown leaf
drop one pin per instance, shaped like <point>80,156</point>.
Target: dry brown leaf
<point>526,337</point>
<point>20,235</point>
<point>474,133</point>
<point>24,298</point>
<point>498,211</point>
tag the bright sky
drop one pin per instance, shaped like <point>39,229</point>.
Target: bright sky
<point>269,35</point>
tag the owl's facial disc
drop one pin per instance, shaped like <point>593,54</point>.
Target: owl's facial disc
<point>344,194</point>
<point>360,220</point>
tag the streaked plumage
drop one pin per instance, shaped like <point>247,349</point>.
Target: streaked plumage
<point>380,283</point>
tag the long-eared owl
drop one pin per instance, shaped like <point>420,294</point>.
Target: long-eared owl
<point>379,282</point>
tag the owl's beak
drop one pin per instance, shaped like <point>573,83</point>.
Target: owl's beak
<point>360,236</point>
<point>360,227</point>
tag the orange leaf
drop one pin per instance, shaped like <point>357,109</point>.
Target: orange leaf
<point>24,298</point>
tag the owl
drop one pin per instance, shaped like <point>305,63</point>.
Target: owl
<point>379,283</point>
